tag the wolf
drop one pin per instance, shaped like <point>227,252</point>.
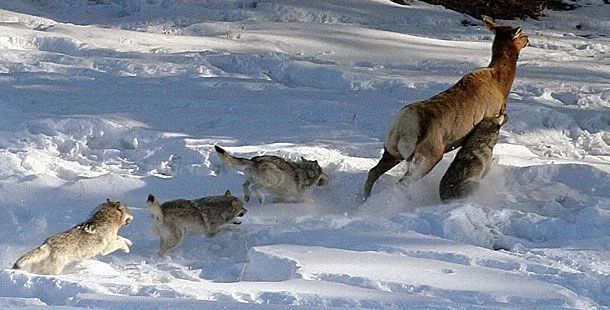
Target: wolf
<point>473,161</point>
<point>98,235</point>
<point>287,180</point>
<point>174,219</point>
<point>423,131</point>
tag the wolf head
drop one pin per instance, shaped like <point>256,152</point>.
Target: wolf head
<point>500,119</point>
<point>236,207</point>
<point>315,174</point>
<point>114,210</point>
<point>491,125</point>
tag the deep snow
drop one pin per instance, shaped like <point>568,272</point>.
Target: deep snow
<point>122,98</point>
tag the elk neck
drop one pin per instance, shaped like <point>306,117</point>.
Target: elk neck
<point>504,65</point>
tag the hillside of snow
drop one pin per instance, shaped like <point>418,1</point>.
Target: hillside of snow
<point>122,98</point>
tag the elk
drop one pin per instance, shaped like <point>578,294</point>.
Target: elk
<point>423,131</point>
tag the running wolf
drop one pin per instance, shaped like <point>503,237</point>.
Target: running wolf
<point>98,235</point>
<point>473,161</point>
<point>287,180</point>
<point>177,218</point>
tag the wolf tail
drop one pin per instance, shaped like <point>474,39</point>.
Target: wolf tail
<point>231,160</point>
<point>459,191</point>
<point>32,257</point>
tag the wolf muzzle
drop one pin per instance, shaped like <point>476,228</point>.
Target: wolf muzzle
<point>323,180</point>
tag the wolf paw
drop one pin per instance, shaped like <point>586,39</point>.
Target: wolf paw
<point>125,248</point>
<point>125,240</point>
<point>128,242</point>
<point>308,200</point>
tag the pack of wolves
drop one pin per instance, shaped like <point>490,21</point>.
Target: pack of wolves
<point>467,115</point>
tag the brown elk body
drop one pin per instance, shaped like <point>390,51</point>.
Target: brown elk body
<point>423,131</point>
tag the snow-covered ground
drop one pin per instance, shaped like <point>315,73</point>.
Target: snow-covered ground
<point>122,98</point>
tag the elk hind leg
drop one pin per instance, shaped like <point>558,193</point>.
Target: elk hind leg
<point>427,154</point>
<point>386,163</point>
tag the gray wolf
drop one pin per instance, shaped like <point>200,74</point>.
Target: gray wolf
<point>473,161</point>
<point>287,180</point>
<point>177,218</point>
<point>423,131</point>
<point>98,235</point>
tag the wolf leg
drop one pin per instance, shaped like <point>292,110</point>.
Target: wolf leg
<point>170,241</point>
<point>306,199</point>
<point>126,244</point>
<point>386,163</point>
<point>247,193</point>
<point>461,190</point>
<point>494,161</point>
<point>127,241</point>
<point>50,266</point>
<point>211,227</point>
<point>468,188</point>
<point>32,257</point>
<point>257,191</point>
<point>117,244</point>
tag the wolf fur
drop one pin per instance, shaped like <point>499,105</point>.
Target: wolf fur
<point>287,180</point>
<point>473,161</point>
<point>174,219</point>
<point>98,235</point>
<point>423,131</point>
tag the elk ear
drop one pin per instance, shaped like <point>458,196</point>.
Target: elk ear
<point>228,194</point>
<point>489,23</point>
<point>516,32</point>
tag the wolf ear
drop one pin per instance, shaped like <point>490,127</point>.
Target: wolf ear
<point>303,159</point>
<point>489,23</point>
<point>228,194</point>
<point>516,32</point>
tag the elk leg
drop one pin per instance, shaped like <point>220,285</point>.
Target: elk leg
<point>427,154</point>
<point>386,163</point>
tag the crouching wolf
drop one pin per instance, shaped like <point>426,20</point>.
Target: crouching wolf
<point>177,218</point>
<point>98,235</point>
<point>287,180</point>
<point>473,161</point>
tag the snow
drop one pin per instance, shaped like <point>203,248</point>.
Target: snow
<point>122,98</point>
